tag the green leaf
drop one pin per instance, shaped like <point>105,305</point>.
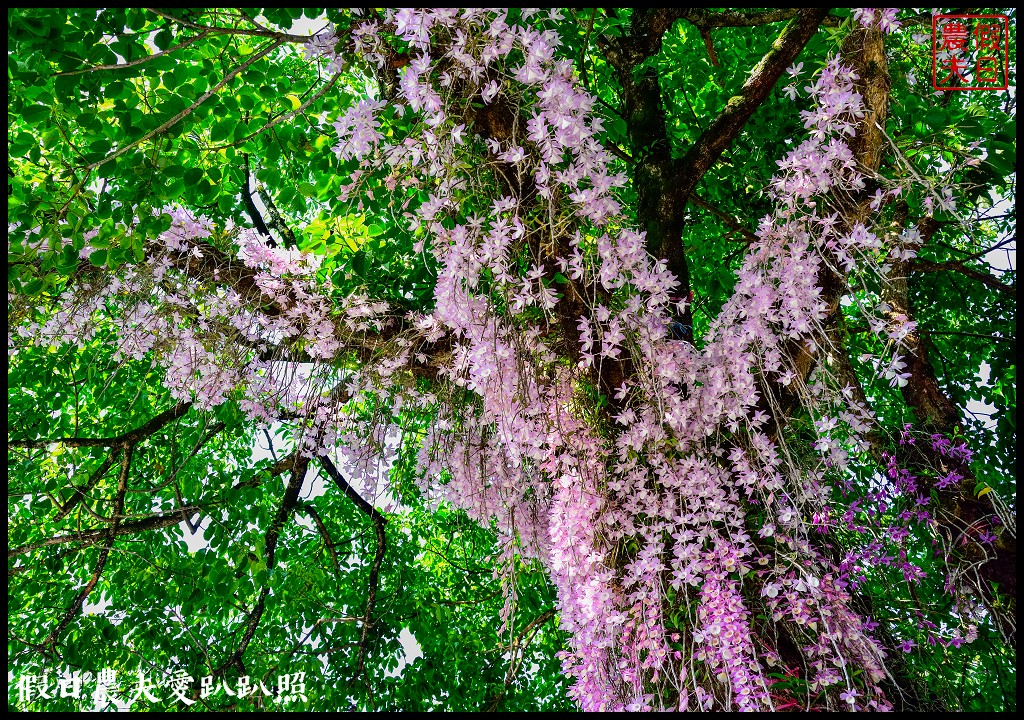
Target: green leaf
<point>359,263</point>
<point>33,114</point>
<point>936,118</point>
<point>23,142</point>
<point>117,89</point>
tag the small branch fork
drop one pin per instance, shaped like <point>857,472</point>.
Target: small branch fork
<point>516,649</point>
<point>665,185</point>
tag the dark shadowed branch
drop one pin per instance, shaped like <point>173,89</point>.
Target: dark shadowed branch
<point>379,522</point>
<point>76,606</point>
<point>958,266</point>
<point>132,437</point>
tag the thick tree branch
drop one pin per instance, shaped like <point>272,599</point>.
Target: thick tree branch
<point>958,266</point>
<point>213,262</point>
<point>281,466</point>
<point>348,490</point>
<point>963,333</point>
<point>252,622</point>
<point>663,184</point>
<point>936,412</point>
<point>133,527</point>
<point>276,219</point>
<point>725,217</point>
<point>371,597</point>
<point>660,211</point>
<point>728,125</point>
<point>299,465</point>
<point>500,121</point>
<point>250,206</point>
<point>132,437</point>
<point>709,19</point>
<point>864,50</point>
<point>379,522</point>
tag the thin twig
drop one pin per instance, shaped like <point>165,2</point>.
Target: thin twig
<point>732,222</point>
<point>585,47</point>
<point>279,36</point>
<point>187,111</point>
<point>326,535</point>
<point>281,118</point>
<point>133,63</point>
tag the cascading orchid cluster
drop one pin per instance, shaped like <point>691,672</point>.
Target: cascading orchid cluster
<point>660,485</point>
<point>212,340</point>
<point>884,516</point>
<point>665,526</point>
